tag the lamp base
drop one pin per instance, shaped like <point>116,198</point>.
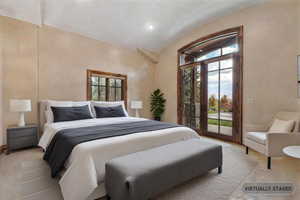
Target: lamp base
<point>137,113</point>
<point>21,120</point>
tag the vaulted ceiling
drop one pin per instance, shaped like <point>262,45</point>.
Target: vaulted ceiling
<point>147,24</point>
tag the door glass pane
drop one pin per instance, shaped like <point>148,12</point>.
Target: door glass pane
<point>226,63</point>
<point>226,102</point>
<point>188,105</point>
<point>197,95</point>
<point>213,101</point>
<point>213,66</point>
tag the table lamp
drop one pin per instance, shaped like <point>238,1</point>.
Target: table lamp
<point>21,106</point>
<point>136,105</point>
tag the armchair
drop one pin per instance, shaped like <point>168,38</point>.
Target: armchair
<point>271,144</point>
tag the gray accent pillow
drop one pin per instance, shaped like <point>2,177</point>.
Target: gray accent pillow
<point>109,111</point>
<point>61,114</point>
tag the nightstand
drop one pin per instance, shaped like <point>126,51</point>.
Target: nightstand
<point>21,137</point>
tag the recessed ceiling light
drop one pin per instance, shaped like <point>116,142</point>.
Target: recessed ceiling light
<point>150,27</point>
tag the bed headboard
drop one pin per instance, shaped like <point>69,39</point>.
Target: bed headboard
<point>41,114</point>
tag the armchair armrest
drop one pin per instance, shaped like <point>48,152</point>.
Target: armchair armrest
<point>275,142</point>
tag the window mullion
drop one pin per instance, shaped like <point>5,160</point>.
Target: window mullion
<point>107,89</point>
<point>115,89</point>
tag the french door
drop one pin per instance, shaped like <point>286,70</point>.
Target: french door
<point>210,85</point>
<point>210,97</point>
<point>221,102</point>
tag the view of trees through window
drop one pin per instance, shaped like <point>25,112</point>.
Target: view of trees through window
<point>106,89</point>
<point>219,92</point>
<point>103,87</point>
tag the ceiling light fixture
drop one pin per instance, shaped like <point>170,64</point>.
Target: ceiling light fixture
<point>150,27</point>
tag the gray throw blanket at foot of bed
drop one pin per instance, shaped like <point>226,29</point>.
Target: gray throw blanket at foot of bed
<point>65,140</point>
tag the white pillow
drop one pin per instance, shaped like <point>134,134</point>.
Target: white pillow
<point>51,103</point>
<point>282,126</point>
<point>107,104</point>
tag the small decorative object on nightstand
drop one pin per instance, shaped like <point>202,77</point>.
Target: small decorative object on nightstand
<point>21,137</point>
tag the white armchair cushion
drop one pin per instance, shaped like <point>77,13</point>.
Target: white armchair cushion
<point>259,137</point>
<point>282,126</point>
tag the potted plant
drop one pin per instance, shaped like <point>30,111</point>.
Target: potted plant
<point>157,104</point>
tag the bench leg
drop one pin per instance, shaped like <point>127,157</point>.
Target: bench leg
<point>220,170</point>
<point>269,162</point>
<point>108,197</point>
<point>247,150</point>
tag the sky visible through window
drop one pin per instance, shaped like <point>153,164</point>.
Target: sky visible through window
<point>226,83</point>
<point>225,75</point>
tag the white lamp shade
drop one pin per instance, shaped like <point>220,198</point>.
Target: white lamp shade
<point>20,105</point>
<point>136,104</point>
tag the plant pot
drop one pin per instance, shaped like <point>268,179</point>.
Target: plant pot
<point>157,118</point>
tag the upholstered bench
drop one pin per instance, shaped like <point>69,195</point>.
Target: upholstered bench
<point>145,174</point>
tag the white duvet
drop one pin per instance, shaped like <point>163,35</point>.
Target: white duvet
<point>85,168</point>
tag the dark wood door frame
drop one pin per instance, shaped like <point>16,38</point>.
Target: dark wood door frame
<point>237,86</point>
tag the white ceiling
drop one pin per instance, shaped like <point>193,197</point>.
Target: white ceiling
<point>123,22</point>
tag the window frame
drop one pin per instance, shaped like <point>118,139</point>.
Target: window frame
<point>107,75</point>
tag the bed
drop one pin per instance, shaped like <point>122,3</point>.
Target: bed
<point>83,177</point>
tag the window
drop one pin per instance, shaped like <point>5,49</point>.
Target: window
<point>105,86</point>
<point>209,55</point>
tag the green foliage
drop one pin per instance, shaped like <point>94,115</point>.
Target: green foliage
<point>157,103</point>
<point>212,103</point>
<point>222,122</point>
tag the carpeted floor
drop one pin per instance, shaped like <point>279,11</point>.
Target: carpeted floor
<point>25,176</point>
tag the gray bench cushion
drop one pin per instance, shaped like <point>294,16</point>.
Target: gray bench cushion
<point>145,174</point>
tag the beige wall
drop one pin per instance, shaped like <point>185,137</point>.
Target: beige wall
<point>46,63</point>
<point>19,66</point>
<point>1,87</point>
<point>270,49</point>
<point>298,25</point>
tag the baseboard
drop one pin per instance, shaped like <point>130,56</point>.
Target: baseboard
<point>2,149</point>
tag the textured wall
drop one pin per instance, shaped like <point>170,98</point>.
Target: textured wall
<point>1,86</point>
<point>270,49</point>
<point>46,63</point>
<point>19,42</point>
<point>298,27</point>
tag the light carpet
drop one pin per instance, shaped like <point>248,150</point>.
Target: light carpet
<point>28,178</point>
